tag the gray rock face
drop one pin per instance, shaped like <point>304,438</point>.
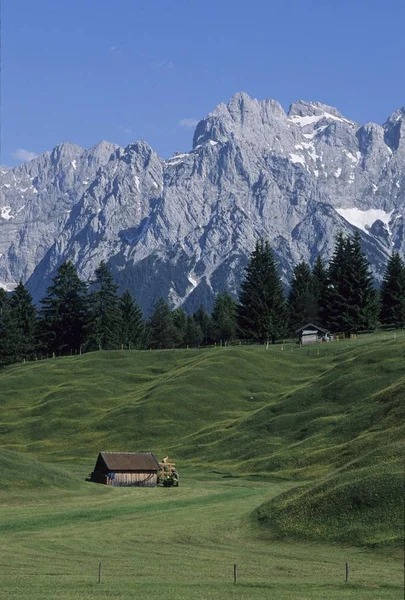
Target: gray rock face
<point>36,199</point>
<point>182,228</point>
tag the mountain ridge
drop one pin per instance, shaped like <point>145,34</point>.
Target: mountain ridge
<point>182,227</point>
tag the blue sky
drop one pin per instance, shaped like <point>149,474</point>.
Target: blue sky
<point>123,70</point>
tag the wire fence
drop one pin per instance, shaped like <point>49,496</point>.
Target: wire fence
<point>321,348</point>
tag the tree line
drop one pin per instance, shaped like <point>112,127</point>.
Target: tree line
<point>76,317</point>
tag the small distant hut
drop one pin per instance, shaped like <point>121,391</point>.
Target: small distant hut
<point>311,334</point>
<point>126,469</point>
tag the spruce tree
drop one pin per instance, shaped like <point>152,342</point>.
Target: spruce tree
<point>302,302</point>
<point>162,332</point>
<point>392,293</point>
<point>334,304</point>
<point>24,314</point>
<point>261,312</point>
<point>351,300</point>
<point>363,303</point>
<point>3,302</point>
<point>224,318</point>
<point>193,335</point>
<point>179,318</point>
<point>104,311</point>
<point>9,335</point>
<point>64,312</point>
<point>19,327</point>
<point>132,325</point>
<point>203,320</point>
<point>3,320</point>
<point>319,287</point>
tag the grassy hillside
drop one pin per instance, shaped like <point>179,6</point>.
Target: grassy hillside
<point>333,414</point>
<point>20,472</point>
<point>177,544</point>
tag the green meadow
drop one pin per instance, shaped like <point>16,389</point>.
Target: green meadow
<point>290,462</point>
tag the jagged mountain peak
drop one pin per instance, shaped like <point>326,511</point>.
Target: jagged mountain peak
<point>67,146</point>
<point>138,153</point>
<point>394,130</point>
<point>103,147</point>
<point>302,108</point>
<point>98,155</point>
<point>396,116</point>
<point>66,150</point>
<point>181,228</point>
<point>243,117</point>
<point>65,154</point>
<point>241,103</point>
<point>139,147</point>
<point>241,99</point>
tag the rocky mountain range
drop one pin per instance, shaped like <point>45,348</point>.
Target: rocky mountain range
<point>182,228</point>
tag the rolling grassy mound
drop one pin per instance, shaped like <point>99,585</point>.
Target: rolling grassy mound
<point>361,505</point>
<point>20,473</point>
<point>335,418</point>
<point>361,502</point>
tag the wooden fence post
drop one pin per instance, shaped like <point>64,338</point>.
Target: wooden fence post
<point>347,571</point>
<point>99,572</point>
<point>235,573</point>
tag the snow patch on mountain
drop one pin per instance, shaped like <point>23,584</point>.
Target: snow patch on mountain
<point>192,280</point>
<point>354,159</point>
<point>9,287</point>
<point>297,158</point>
<point>5,213</point>
<point>364,219</point>
<point>177,159</point>
<point>303,121</point>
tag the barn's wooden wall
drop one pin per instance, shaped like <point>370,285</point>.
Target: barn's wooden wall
<point>309,339</point>
<point>138,479</point>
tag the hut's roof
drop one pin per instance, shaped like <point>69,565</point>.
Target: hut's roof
<point>130,461</point>
<point>312,327</point>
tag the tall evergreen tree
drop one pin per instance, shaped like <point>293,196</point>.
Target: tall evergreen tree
<point>392,293</point>
<point>224,318</point>
<point>364,298</point>
<point>193,334</point>
<point>351,301</point>
<point>64,311</point>
<point>3,322</point>
<point>302,302</point>
<point>24,314</point>
<point>132,325</point>
<point>320,287</point>
<point>19,327</point>
<point>261,313</point>
<point>104,312</point>
<point>179,318</point>
<point>162,332</point>
<point>3,301</point>
<point>9,335</point>
<point>203,320</point>
<point>334,301</point>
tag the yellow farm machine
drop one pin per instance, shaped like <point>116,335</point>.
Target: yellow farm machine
<point>168,476</point>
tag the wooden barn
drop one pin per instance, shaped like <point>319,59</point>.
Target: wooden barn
<point>311,334</point>
<point>126,469</point>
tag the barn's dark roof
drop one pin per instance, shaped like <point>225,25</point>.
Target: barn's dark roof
<point>130,461</point>
<point>312,327</point>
